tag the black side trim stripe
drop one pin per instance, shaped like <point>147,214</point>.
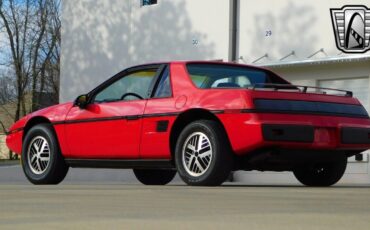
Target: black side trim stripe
<point>132,117</point>
<point>160,115</point>
<point>135,117</point>
<point>91,120</point>
<point>218,111</point>
<point>14,131</point>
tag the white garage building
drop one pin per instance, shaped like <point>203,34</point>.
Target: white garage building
<point>293,38</point>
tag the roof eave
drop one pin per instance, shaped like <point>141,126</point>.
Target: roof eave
<point>329,60</point>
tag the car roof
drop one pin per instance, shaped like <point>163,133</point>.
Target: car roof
<point>225,63</point>
<point>216,62</point>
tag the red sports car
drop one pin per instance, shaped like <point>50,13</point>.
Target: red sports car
<point>200,119</point>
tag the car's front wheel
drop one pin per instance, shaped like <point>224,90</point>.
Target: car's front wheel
<point>322,174</point>
<point>154,176</point>
<point>203,154</point>
<point>42,161</point>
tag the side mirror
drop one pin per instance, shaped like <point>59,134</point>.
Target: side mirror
<point>81,101</point>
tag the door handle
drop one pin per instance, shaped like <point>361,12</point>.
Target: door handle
<point>133,117</point>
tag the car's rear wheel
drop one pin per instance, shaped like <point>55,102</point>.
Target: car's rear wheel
<point>322,174</point>
<point>42,161</point>
<point>203,154</point>
<point>154,176</point>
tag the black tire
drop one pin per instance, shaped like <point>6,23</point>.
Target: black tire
<point>322,174</point>
<point>154,176</point>
<point>211,171</point>
<point>56,169</point>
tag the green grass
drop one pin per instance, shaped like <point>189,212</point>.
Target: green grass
<point>9,162</point>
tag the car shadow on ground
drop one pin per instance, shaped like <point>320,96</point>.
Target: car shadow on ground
<point>339,186</point>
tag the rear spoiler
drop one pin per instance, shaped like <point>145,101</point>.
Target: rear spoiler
<point>301,88</point>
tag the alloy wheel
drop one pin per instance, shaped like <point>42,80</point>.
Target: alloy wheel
<point>197,154</point>
<point>38,155</point>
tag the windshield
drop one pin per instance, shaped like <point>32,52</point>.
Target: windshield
<point>229,76</point>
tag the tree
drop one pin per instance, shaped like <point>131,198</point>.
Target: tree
<point>50,68</point>
<point>33,38</point>
<point>7,89</point>
<point>32,48</point>
<point>16,20</point>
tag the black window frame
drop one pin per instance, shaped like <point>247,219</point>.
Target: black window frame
<point>158,81</point>
<point>92,94</point>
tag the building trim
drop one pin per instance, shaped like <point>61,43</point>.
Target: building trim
<point>321,61</point>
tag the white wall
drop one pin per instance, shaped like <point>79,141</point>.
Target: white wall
<point>102,37</point>
<point>302,26</point>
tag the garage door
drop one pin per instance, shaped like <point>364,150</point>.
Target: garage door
<point>360,89</point>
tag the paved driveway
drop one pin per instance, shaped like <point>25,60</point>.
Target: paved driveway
<point>112,199</point>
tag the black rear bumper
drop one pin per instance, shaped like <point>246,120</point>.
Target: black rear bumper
<point>306,134</point>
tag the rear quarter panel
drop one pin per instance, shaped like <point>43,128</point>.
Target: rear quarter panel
<point>244,128</point>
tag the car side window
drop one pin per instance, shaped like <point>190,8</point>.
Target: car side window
<point>164,86</point>
<point>133,86</point>
<point>206,76</point>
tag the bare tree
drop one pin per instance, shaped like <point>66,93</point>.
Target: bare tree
<point>31,57</point>
<point>49,67</point>
<point>33,34</point>
<point>16,20</point>
<point>7,89</point>
<point>41,20</point>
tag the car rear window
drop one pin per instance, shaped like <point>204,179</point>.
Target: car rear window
<point>208,76</point>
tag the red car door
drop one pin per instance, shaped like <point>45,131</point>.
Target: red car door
<point>110,125</point>
<point>107,130</point>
